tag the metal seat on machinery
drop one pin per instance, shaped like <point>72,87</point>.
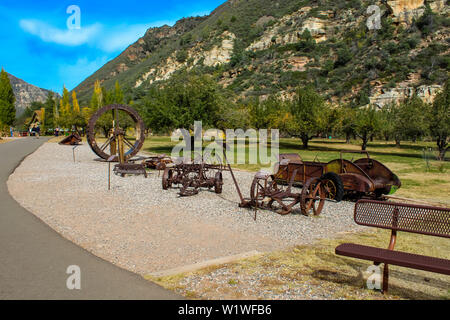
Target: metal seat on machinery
<point>263,175</point>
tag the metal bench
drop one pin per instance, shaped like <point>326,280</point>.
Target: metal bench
<point>419,219</point>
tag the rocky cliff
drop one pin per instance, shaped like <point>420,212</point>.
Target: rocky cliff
<point>262,47</point>
<point>26,93</point>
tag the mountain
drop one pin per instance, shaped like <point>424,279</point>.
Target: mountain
<point>26,93</point>
<point>263,47</point>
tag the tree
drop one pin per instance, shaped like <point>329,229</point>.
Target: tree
<point>308,112</point>
<point>387,121</point>
<point>118,94</point>
<point>49,107</point>
<point>7,100</point>
<point>76,106</point>
<point>409,119</point>
<point>65,111</point>
<point>183,99</point>
<point>347,122</point>
<point>367,124</point>
<point>97,97</point>
<point>439,120</point>
<point>77,119</point>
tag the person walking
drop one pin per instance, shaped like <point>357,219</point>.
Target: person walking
<point>38,130</point>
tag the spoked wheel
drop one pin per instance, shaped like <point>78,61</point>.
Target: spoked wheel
<point>257,192</point>
<point>334,188</point>
<point>269,188</point>
<point>116,119</point>
<point>313,197</point>
<point>167,178</point>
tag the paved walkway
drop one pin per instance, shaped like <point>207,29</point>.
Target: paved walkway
<point>34,258</point>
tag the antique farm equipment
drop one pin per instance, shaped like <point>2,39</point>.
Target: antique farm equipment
<point>365,177</point>
<point>72,140</point>
<point>118,147</point>
<point>117,141</point>
<point>159,162</point>
<point>267,193</point>
<point>192,177</point>
<point>123,169</point>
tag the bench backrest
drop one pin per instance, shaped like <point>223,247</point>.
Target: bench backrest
<point>420,219</point>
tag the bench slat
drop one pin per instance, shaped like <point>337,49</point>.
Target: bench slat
<point>397,258</point>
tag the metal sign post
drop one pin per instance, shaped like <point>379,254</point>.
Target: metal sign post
<point>110,159</point>
<point>73,152</point>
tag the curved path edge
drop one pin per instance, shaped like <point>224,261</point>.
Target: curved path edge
<point>34,258</point>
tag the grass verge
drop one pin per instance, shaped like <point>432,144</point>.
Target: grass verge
<point>316,272</point>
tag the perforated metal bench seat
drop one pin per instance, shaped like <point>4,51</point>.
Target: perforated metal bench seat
<point>419,219</point>
<point>398,258</point>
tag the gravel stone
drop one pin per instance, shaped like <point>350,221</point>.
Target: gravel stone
<point>144,229</point>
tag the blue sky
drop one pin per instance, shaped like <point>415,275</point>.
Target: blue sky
<point>38,47</point>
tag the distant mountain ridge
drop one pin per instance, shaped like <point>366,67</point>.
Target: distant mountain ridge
<point>26,93</point>
<point>264,47</point>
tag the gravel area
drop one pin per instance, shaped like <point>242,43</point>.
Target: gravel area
<point>144,229</point>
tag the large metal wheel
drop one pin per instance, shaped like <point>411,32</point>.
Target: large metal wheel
<point>108,149</point>
<point>313,197</point>
<point>167,178</point>
<point>218,183</point>
<point>334,187</point>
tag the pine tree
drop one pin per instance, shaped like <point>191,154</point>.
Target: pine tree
<point>7,100</point>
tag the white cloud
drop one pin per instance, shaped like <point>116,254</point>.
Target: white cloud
<point>111,39</point>
<point>66,37</point>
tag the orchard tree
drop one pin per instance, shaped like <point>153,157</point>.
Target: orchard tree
<point>346,124</point>
<point>368,123</point>
<point>308,110</point>
<point>7,100</point>
<point>439,120</point>
<point>409,119</point>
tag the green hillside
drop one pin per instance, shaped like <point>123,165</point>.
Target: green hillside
<point>262,47</point>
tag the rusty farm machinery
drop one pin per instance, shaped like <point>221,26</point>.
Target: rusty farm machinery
<point>118,120</point>
<point>310,184</point>
<point>193,176</point>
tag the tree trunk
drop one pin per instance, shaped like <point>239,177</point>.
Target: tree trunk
<point>347,138</point>
<point>442,146</point>
<point>397,142</point>
<point>365,139</point>
<point>305,140</point>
